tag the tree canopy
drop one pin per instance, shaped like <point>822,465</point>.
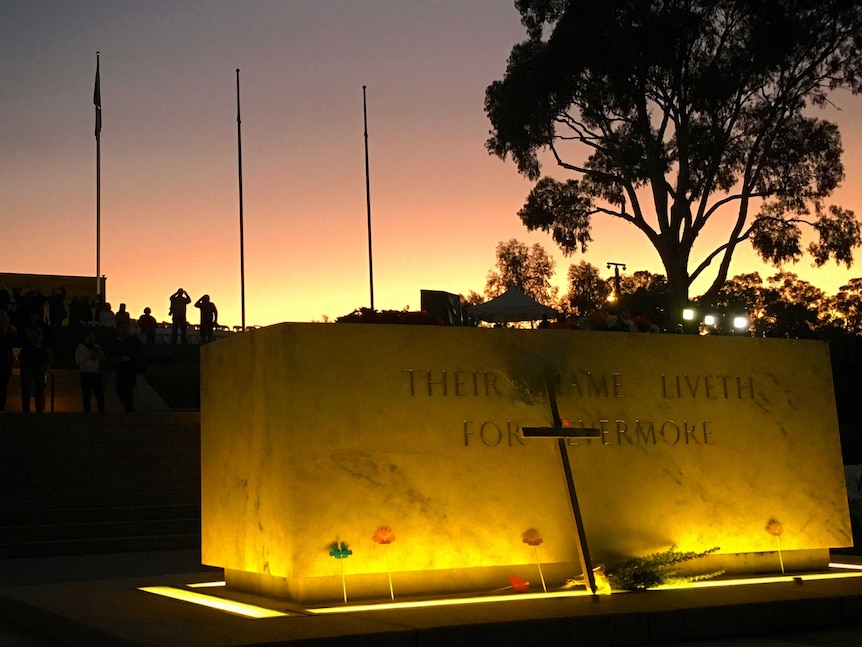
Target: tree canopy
<point>676,115</point>
<point>588,291</point>
<point>528,268</point>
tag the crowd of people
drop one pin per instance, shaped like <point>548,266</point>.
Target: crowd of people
<point>32,326</point>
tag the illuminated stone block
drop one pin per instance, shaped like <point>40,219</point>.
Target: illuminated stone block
<point>317,432</point>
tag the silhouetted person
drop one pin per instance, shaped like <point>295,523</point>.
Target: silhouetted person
<point>57,312</point>
<point>90,358</point>
<point>80,311</point>
<point>34,360</point>
<point>17,309</point>
<point>105,315</point>
<point>179,300</point>
<point>122,315</point>
<point>209,318</point>
<point>35,303</point>
<point>147,323</point>
<point>7,342</point>
<point>127,354</point>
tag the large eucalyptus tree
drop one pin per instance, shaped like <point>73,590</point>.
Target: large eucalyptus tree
<point>683,117</point>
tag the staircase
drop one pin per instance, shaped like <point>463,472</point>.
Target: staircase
<point>75,484</point>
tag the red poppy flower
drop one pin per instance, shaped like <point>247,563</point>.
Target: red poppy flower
<point>384,535</point>
<point>519,584</point>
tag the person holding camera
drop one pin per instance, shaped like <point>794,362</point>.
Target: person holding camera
<point>209,318</point>
<point>179,300</point>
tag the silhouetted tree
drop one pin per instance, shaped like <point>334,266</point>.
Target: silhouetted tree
<point>472,299</point>
<point>845,308</point>
<point>529,269</point>
<point>783,306</point>
<point>587,290</point>
<point>792,306</point>
<point>678,114</point>
<point>645,294</point>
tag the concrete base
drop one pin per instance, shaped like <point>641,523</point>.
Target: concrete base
<point>66,604</point>
<point>375,586</point>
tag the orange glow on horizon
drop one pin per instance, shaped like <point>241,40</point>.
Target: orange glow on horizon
<point>169,185</point>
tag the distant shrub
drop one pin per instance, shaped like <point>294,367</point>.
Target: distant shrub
<point>367,315</point>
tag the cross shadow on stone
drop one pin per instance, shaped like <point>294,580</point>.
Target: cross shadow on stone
<point>561,432</point>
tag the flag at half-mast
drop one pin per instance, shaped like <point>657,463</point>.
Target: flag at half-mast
<point>97,100</point>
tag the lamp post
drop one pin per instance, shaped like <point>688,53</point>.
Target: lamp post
<point>617,267</point>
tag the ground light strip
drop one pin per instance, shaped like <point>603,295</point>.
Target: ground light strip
<point>252,611</point>
<point>228,606</point>
<point>417,604</point>
<point>757,580</point>
<point>855,567</point>
<point>563,594</point>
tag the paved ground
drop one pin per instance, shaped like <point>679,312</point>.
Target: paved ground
<point>94,600</point>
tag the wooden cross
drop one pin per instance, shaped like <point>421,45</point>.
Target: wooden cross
<point>560,432</point>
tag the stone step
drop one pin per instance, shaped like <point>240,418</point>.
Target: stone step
<point>66,500</point>
<point>100,545</point>
<point>36,516</point>
<point>75,483</point>
<point>87,530</point>
<point>63,393</point>
<point>94,423</point>
<point>102,486</point>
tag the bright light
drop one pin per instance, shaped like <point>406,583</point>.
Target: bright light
<point>448,602</point>
<point>688,314</point>
<point>709,320</point>
<point>705,584</point>
<point>855,567</point>
<point>207,585</point>
<point>740,323</point>
<point>229,606</point>
<point>612,297</point>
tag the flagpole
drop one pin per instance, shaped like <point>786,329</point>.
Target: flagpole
<point>368,199</point>
<point>241,240</point>
<point>97,102</point>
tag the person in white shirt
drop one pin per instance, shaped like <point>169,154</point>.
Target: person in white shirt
<point>90,358</point>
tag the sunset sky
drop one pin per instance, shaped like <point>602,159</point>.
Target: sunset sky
<point>440,203</point>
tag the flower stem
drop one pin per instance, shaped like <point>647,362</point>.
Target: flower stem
<point>389,571</point>
<point>780,560</point>
<point>541,575</point>
<point>343,582</point>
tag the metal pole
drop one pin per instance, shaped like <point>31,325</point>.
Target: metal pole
<point>617,289</point>
<point>368,199</point>
<point>241,233</point>
<point>97,102</point>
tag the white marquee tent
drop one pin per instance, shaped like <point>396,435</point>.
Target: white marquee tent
<point>512,305</point>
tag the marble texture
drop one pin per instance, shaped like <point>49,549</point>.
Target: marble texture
<point>312,433</point>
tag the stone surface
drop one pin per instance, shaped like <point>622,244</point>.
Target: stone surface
<point>313,433</point>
